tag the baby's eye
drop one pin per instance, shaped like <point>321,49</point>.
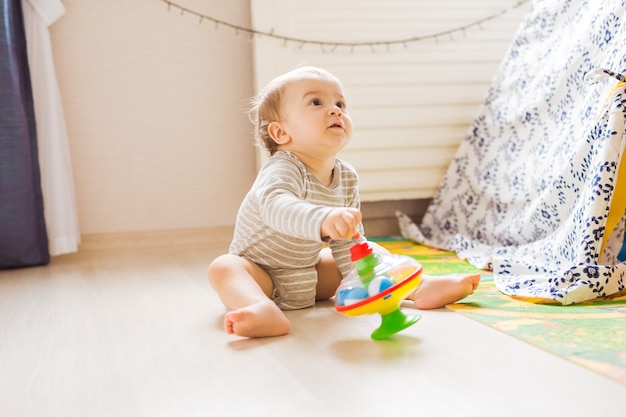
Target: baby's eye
<point>316,102</point>
<point>341,104</point>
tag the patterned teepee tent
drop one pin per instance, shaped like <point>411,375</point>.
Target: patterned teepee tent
<point>537,189</point>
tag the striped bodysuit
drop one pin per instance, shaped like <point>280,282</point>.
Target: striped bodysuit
<point>279,221</point>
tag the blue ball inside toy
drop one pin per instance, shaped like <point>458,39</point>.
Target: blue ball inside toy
<point>348,296</point>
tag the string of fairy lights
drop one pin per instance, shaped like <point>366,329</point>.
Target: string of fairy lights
<point>332,46</point>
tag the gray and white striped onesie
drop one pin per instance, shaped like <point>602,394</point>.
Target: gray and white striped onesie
<point>279,221</point>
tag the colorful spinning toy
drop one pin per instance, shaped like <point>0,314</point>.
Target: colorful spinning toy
<point>377,285</point>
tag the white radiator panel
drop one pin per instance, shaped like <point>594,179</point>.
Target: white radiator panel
<point>411,103</point>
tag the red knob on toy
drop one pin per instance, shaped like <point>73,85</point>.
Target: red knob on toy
<point>360,251</point>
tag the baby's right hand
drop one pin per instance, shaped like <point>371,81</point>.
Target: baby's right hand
<point>341,223</point>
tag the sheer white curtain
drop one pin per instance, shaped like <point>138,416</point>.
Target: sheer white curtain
<point>54,157</point>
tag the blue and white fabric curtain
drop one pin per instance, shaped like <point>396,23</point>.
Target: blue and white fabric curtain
<point>57,181</point>
<point>537,188</point>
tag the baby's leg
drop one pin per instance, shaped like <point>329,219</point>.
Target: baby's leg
<point>437,291</point>
<point>328,276</point>
<point>244,288</point>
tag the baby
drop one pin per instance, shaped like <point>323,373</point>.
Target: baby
<point>295,226</point>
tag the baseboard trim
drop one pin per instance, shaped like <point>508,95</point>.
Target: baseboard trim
<point>214,236</point>
<point>379,219</point>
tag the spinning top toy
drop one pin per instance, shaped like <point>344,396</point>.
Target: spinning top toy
<point>377,284</point>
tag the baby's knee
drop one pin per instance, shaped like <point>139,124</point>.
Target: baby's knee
<point>218,269</point>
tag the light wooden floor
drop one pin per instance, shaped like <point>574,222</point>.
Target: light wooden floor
<point>138,333</point>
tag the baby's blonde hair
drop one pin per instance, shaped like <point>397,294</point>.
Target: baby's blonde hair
<point>265,108</point>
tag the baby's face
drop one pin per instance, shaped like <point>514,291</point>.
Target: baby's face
<point>315,116</point>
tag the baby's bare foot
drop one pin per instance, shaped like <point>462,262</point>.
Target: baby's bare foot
<point>438,291</point>
<point>257,320</point>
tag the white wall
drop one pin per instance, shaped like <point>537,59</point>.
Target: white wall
<point>154,104</point>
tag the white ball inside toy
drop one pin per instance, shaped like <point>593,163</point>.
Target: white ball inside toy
<point>378,285</point>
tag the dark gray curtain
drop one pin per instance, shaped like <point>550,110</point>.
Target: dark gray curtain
<point>23,238</point>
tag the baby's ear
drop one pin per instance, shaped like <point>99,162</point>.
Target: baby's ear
<point>277,133</point>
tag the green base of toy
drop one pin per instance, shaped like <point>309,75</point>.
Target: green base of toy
<point>394,322</point>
